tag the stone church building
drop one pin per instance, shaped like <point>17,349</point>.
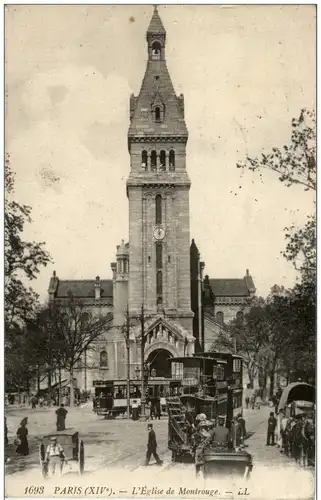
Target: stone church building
<point>159,267</point>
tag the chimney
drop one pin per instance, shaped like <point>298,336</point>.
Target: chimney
<point>97,286</point>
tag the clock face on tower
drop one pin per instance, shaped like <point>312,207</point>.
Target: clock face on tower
<point>159,233</point>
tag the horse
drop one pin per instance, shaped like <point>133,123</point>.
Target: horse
<point>287,436</point>
<point>308,442</point>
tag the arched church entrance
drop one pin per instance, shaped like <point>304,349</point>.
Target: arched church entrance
<point>159,366</point>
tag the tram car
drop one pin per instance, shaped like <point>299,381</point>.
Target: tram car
<point>110,398</point>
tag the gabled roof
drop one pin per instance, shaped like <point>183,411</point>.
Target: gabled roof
<point>156,26</point>
<point>84,288</point>
<point>229,287</point>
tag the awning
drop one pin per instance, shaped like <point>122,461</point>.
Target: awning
<point>297,391</point>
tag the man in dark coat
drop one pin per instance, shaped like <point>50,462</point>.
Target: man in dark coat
<point>61,418</point>
<point>271,430</point>
<point>241,421</point>
<point>151,446</point>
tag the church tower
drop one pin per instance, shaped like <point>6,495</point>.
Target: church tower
<point>158,192</point>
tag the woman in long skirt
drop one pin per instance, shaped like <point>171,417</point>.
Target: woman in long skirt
<point>22,433</point>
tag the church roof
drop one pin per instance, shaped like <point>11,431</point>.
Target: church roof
<point>83,288</point>
<point>233,287</point>
<point>156,25</point>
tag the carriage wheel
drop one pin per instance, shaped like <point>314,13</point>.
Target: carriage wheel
<point>81,457</point>
<point>42,456</point>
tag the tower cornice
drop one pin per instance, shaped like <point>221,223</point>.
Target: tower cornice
<point>144,183</point>
<point>158,138</point>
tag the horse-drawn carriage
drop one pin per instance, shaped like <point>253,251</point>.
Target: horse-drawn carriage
<point>296,422</point>
<point>72,450</point>
<point>217,461</point>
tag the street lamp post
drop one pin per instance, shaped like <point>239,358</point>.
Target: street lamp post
<point>142,349</point>
<point>128,363</point>
<point>85,363</point>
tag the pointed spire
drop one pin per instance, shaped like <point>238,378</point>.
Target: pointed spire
<point>156,26</point>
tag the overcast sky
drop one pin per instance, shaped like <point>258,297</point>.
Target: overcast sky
<point>245,71</point>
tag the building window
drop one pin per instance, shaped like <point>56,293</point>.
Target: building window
<point>158,112</point>
<point>177,370</point>
<point>237,365</point>
<point>172,160</point>
<point>218,372</point>
<point>220,317</point>
<point>159,287</point>
<point>153,161</point>
<point>159,256</point>
<point>158,204</point>
<point>144,159</point>
<point>162,160</point>
<point>103,361</point>
<point>239,317</point>
<point>156,51</point>
<point>84,319</point>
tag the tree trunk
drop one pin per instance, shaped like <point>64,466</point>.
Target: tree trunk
<point>272,376</point>
<point>251,374</point>
<point>38,379</point>
<point>71,388</point>
<point>49,384</point>
<point>59,386</point>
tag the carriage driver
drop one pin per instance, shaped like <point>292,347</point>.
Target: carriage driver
<point>54,456</point>
<point>220,434</point>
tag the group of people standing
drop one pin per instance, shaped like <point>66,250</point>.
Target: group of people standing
<point>153,408</point>
<point>21,439</point>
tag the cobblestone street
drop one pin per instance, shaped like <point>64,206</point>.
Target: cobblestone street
<point>115,452</point>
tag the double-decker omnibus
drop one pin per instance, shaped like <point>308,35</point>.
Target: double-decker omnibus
<point>211,383</point>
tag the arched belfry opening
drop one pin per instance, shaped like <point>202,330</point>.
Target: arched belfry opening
<point>156,51</point>
<point>159,365</point>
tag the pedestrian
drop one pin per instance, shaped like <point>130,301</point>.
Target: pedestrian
<point>247,402</point>
<point>158,408</point>
<point>22,433</point>
<point>6,440</point>
<point>33,402</point>
<point>240,420</point>
<point>238,433</point>
<point>152,446</point>
<point>54,457</point>
<point>135,410</point>
<point>270,440</point>
<point>61,418</point>
<point>253,402</point>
